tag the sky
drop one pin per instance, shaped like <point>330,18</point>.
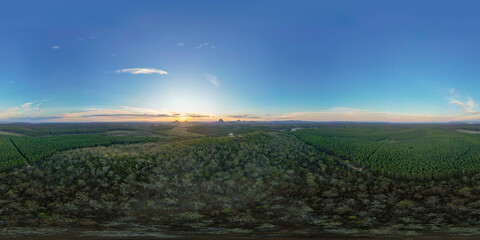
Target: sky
<point>319,60</point>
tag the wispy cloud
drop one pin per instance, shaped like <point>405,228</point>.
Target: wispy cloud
<point>196,115</point>
<point>83,38</point>
<point>30,106</point>
<point>142,71</point>
<point>55,47</point>
<point>126,113</point>
<point>28,109</point>
<point>465,103</point>
<point>212,79</point>
<point>467,106</point>
<point>180,44</point>
<point>202,45</point>
<point>251,116</point>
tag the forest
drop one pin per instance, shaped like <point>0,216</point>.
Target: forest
<point>424,151</point>
<point>266,178</point>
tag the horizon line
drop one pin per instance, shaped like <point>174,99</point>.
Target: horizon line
<point>236,121</point>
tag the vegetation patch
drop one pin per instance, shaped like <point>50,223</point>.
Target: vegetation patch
<point>404,151</point>
<point>9,155</point>
<point>37,148</point>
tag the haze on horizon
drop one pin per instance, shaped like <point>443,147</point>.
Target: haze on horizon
<point>92,61</point>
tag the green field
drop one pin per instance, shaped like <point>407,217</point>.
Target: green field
<point>9,156</point>
<point>55,129</point>
<point>409,151</point>
<point>22,144</point>
<point>35,149</point>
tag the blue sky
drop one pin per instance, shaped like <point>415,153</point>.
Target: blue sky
<point>401,61</point>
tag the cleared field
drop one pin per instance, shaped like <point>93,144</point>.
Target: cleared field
<point>407,151</point>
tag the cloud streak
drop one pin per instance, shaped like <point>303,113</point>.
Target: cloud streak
<point>212,79</point>
<point>196,115</point>
<point>250,116</point>
<point>126,113</point>
<point>142,71</point>
<point>26,110</point>
<point>467,105</point>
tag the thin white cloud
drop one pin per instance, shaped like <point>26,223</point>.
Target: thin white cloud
<point>142,71</point>
<point>27,105</point>
<point>180,44</point>
<point>126,113</point>
<point>28,109</point>
<point>212,79</point>
<point>467,104</point>
<point>143,110</point>
<point>202,45</point>
<point>56,47</point>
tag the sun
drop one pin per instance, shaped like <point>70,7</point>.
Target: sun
<point>183,118</point>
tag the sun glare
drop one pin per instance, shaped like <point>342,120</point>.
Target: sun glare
<point>183,118</point>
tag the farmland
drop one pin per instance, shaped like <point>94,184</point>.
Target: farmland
<point>38,148</point>
<point>23,144</point>
<point>406,151</point>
